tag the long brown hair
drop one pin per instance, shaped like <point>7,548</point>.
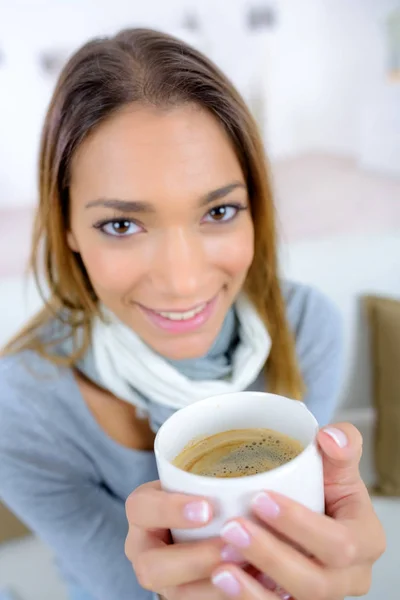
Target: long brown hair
<point>150,68</point>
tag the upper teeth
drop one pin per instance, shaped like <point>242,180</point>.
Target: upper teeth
<point>183,316</point>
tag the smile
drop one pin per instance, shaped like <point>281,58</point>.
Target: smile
<point>182,316</point>
<point>181,321</point>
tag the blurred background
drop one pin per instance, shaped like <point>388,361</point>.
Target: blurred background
<point>322,78</point>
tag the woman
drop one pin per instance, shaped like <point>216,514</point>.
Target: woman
<point>155,214</point>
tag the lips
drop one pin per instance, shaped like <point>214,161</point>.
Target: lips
<point>184,321</point>
<point>182,315</point>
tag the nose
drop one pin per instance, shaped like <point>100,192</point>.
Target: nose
<point>181,267</point>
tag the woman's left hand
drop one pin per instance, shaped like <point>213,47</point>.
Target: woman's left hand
<point>304,555</point>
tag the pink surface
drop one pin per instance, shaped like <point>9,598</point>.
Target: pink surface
<point>316,196</point>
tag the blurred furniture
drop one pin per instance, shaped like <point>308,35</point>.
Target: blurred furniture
<point>384,325</point>
<point>10,527</point>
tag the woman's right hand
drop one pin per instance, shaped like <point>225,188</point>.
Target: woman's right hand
<point>174,571</point>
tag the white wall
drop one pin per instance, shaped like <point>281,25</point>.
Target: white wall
<point>325,68</point>
<point>363,106</point>
<point>293,79</point>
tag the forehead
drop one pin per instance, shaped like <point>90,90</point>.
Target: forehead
<point>153,153</point>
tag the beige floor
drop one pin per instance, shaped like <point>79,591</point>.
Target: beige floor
<point>27,567</point>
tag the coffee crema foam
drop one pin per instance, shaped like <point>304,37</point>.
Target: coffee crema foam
<point>238,453</point>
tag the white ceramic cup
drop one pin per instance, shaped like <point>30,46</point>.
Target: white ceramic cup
<point>301,479</point>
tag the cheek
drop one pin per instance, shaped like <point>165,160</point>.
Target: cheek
<point>234,252</point>
<point>111,269</point>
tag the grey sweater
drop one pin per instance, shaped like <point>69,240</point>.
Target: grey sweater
<point>68,481</point>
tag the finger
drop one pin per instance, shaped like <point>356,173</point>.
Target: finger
<point>178,564</point>
<point>342,448</point>
<point>302,577</point>
<point>236,583</point>
<point>330,541</point>
<point>150,507</point>
<point>142,540</point>
<point>345,492</point>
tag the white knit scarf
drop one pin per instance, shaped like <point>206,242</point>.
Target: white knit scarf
<point>132,371</point>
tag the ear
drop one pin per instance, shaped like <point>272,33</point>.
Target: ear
<point>72,243</point>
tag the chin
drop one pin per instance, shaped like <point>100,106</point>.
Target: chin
<point>185,349</point>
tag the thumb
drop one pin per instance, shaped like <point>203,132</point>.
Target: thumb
<point>341,446</point>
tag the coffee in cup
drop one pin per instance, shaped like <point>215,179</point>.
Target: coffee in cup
<point>238,453</point>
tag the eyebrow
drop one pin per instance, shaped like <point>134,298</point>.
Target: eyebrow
<point>139,206</point>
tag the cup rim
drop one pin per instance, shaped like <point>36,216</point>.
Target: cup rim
<point>233,481</point>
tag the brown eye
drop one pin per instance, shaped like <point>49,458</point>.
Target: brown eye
<point>119,228</point>
<point>218,214</point>
<point>223,213</point>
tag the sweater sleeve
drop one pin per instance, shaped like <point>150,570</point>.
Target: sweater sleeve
<point>45,482</point>
<point>318,330</point>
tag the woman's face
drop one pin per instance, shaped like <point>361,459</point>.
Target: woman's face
<point>161,218</point>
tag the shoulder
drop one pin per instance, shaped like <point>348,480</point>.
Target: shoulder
<point>40,413</point>
<point>28,372</point>
<point>311,314</point>
<point>33,395</point>
<point>317,326</point>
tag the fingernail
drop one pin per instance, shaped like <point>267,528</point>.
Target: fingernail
<point>230,554</point>
<point>337,435</point>
<point>265,506</point>
<point>235,534</point>
<point>198,512</point>
<point>225,581</point>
